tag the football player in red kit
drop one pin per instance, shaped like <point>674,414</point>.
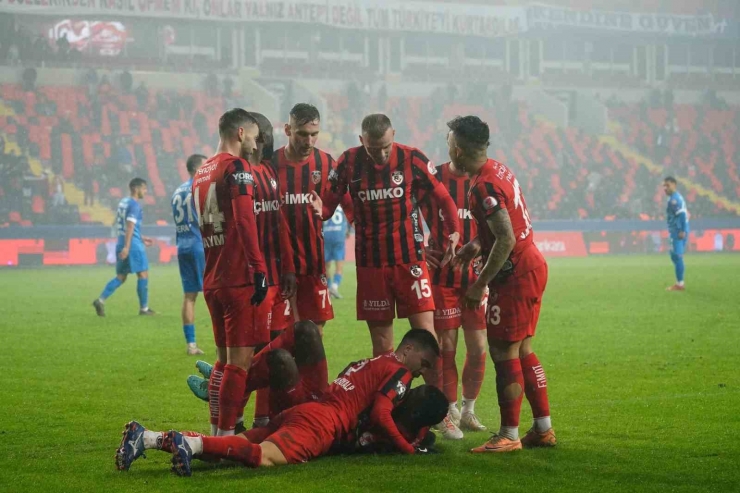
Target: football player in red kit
<point>515,272</point>
<point>234,282</point>
<point>308,430</point>
<point>448,288</point>
<point>385,180</point>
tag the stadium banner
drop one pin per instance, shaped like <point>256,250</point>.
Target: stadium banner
<point>549,17</point>
<point>560,244</point>
<point>398,15</point>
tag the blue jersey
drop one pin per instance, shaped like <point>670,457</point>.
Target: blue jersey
<point>186,222</point>
<point>677,215</point>
<point>335,229</point>
<point>129,211</point>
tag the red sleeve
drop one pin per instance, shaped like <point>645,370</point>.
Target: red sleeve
<point>449,209</point>
<point>241,187</point>
<point>287,264</point>
<point>381,416</point>
<point>336,189</point>
<point>488,198</point>
<point>348,207</point>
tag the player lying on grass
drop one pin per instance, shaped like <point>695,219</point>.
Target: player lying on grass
<point>365,392</point>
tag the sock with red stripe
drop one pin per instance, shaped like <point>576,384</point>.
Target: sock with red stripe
<point>509,387</point>
<point>450,376</point>
<point>235,447</point>
<point>230,398</point>
<point>535,388</point>
<point>214,386</point>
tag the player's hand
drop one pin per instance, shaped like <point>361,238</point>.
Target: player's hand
<point>434,258</point>
<point>317,204</point>
<point>681,235</point>
<point>466,255</point>
<point>147,241</point>
<point>260,288</point>
<point>451,247</point>
<point>123,254</point>
<point>474,296</point>
<point>288,285</point>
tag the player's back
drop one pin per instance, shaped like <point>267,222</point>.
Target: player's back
<point>215,183</point>
<point>493,188</point>
<point>297,179</point>
<point>186,223</point>
<point>129,211</point>
<point>458,185</point>
<point>335,229</point>
<point>387,224</point>
<point>355,389</point>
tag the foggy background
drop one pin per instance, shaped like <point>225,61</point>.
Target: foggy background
<point>590,102</point>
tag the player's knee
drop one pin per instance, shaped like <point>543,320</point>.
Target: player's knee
<point>309,348</point>
<point>283,369</point>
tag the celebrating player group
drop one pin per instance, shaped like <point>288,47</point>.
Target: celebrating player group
<point>258,214</point>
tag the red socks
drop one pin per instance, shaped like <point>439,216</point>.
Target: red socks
<point>449,375</point>
<point>214,385</point>
<point>230,397</point>
<point>472,377</point>
<point>509,386</point>
<point>535,386</point>
<point>262,404</point>
<point>236,448</point>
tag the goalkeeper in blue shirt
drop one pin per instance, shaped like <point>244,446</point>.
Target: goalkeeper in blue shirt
<point>678,229</point>
<point>130,249</point>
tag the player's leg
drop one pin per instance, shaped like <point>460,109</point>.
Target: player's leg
<point>313,300</point>
<point>140,265</point>
<point>123,268</point>
<point>188,322</point>
<point>381,336</point>
<point>447,382</point>
<point>474,330</point>
<point>338,254</point>
<point>191,274</point>
<point>214,302</point>
<point>677,251</point>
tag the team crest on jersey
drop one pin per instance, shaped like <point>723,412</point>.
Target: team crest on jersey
<point>323,280</point>
<point>400,389</point>
<point>430,167</point>
<point>273,183</point>
<point>397,177</point>
<point>489,203</point>
<point>416,270</point>
<point>316,177</point>
<point>333,175</point>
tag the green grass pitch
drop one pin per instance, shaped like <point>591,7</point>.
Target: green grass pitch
<point>643,385</point>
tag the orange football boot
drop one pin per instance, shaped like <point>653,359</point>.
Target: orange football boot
<point>497,443</point>
<point>675,287</point>
<point>534,439</point>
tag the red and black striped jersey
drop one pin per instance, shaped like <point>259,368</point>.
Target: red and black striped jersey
<point>223,192</point>
<point>267,209</point>
<point>458,185</point>
<point>494,188</point>
<point>296,182</point>
<point>388,227</point>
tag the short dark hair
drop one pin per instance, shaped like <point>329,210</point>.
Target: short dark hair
<point>266,132</point>
<point>670,179</point>
<point>193,162</point>
<point>230,122</point>
<point>471,133</point>
<point>421,407</point>
<point>376,125</point>
<point>422,339</point>
<point>304,113</point>
<point>136,183</point>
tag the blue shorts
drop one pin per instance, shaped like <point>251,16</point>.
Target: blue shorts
<point>192,265</point>
<point>135,262</point>
<point>678,246</point>
<point>334,250</point>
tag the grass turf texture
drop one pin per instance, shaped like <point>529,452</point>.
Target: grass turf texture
<point>643,387</point>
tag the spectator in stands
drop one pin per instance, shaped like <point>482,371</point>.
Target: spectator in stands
<point>63,47</point>
<point>88,185</point>
<point>127,82</point>
<point>142,96</point>
<point>57,198</point>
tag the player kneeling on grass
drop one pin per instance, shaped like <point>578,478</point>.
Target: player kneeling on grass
<point>366,391</point>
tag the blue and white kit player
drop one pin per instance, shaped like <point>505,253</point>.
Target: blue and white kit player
<point>678,228</point>
<point>190,253</point>
<point>130,250</point>
<point>336,231</point>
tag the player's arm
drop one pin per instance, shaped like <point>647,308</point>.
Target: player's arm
<point>130,224</point>
<point>381,416</point>
<point>500,224</point>
<point>681,219</point>
<point>241,186</point>
<point>426,183</point>
<point>337,187</point>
